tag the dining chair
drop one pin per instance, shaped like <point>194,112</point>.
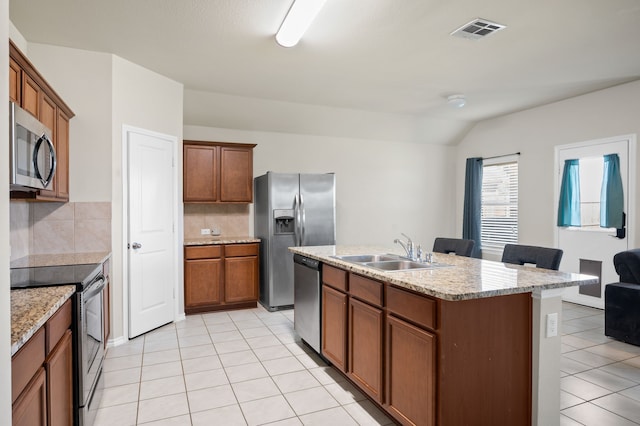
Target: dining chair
<point>542,257</point>
<point>453,245</point>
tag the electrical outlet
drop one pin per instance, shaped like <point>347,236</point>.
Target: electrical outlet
<point>552,324</point>
<point>205,231</point>
<point>215,230</point>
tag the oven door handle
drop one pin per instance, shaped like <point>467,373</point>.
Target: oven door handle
<point>93,288</point>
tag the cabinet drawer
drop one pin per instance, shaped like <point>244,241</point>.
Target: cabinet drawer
<point>203,252</point>
<point>57,325</point>
<point>334,277</point>
<point>418,309</point>
<point>26,362</point>
<point>237,250</point>
<point>366,289</point>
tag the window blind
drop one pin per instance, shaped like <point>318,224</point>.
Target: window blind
<point>499,220</point>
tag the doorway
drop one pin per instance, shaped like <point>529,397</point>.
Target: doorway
<point>151,237</point>
<point>589,247</point>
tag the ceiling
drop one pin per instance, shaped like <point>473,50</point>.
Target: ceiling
<point>382,56</point>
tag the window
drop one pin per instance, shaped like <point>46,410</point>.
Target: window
<point>499,219</point>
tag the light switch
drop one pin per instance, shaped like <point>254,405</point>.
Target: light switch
<point>552,324</point>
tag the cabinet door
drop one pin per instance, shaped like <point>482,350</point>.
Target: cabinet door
<point>202,281</point>
<point>30,409</point>
<point>48,113</point>
<point>365,347</point>
<point>201,173</point>
<point>410,373</point>
<point>30,95</point>
<point>241,279</point>
<point>59,367</point>
<point>334,327</point>
<point>62,154</point>
<point>15,74</point>
<point>236,174</point>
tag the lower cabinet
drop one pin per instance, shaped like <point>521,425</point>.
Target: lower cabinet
<point>365,347</point>
<point>220,277</point>
<point>30,409</point>
<point>411,354</point>
<point>334,326</point>
<point>42,375</point>
<point>59,365</point>
<point>428,361</point>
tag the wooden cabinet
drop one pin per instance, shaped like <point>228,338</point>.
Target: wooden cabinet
<point>30,409</point>
<point>411,357</point>
<point>334,321</point>
<point>15,82</point>
<point>217,172</point>
<point>42,374</point>
<point>428,361</point>
<point>30,95</point>
<point>241,273</point>
<point>221,277</point>
<point>334,326</point>
<point>365,339</point>
<point>59,367</point>
<point>29,89</point>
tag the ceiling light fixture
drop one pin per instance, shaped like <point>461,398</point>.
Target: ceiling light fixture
<point>456,101</point>
<point>298,19</point>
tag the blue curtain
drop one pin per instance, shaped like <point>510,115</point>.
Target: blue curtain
<point>611,196</point>
<point>471,218</point>
<point>569,203</point>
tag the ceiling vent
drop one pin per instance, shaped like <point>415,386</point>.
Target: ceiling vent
<point>477,29</point>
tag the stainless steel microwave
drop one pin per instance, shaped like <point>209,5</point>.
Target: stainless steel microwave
<point>32,154</point>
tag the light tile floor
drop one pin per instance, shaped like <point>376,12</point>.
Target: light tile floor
<point>244,367</point>
<point>600,382</point>
<point>249,368</point>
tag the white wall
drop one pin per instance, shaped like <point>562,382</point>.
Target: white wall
<point>535,133</point>
<point>5,308</point>
<point>383,188</point>
<point>147,100</point>
<point>105,92</point>
<point>83,79</point>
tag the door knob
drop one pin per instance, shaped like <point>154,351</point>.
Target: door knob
<point>136,245</point>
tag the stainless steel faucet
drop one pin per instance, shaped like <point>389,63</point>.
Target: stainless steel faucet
<point>408,248</point>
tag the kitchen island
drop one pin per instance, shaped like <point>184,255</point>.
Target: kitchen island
<point>461,343</point>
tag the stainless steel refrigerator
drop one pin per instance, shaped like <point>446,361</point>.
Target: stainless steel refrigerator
<point>290,209</point>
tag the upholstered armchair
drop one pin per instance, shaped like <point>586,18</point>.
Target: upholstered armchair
<point>622,299</point>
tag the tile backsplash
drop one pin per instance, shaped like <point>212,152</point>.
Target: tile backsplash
<point>232,220</point>
<point>54,228</point>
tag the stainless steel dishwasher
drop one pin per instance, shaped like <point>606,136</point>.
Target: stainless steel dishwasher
<point>307,300</point>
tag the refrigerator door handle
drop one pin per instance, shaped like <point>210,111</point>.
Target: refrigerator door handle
<point>296,225</point>
<point>302,221</point>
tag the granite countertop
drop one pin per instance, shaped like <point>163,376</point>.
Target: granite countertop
<point>465,278</point>
<point>31,308</point>
<point>208,240</point>
<point>36,260</point>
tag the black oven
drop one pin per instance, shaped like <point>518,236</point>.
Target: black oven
<point>88,327</point>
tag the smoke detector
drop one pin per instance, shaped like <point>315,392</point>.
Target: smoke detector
<point>477,29</point>
<point>456,101</point>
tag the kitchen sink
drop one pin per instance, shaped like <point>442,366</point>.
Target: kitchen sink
<point>388,262</point>
<point>365,258</point>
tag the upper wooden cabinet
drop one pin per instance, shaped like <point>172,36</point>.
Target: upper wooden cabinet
<point>218,172</point>
<point>31,91</point>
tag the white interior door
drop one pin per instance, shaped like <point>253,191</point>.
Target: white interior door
<point>590,249</point>
<point>151,228</point>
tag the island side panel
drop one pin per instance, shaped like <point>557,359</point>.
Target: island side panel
<point>484,361</point>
